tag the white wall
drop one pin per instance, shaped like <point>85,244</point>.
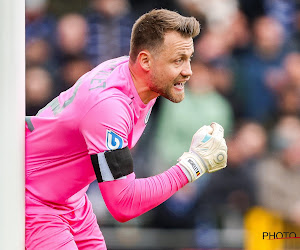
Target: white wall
<point>12,112</point>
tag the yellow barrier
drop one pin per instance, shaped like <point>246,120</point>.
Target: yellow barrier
<point>257,221</point>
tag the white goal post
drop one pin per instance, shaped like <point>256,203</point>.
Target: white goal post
<point>12,112</point>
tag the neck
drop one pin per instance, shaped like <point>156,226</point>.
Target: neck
<point>141,81</point>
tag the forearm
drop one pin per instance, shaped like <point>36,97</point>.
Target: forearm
<point>127,197</point>
<point>130,197</point>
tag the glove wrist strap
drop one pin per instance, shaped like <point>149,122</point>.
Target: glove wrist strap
<point>193,164</point>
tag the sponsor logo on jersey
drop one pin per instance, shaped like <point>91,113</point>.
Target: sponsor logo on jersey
<point>148,115</point>
<point>113,141</point>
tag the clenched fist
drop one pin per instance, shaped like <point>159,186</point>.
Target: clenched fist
<point>208,152</point>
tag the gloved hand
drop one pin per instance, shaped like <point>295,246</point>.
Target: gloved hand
<point>208,152</point>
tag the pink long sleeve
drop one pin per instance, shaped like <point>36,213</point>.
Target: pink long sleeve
<point>131,197</point>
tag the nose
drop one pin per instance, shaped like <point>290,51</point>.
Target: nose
<point>187,70</point>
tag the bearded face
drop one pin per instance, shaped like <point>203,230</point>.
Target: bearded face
<point>171,68</point>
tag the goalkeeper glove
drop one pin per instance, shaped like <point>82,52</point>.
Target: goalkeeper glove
<point>208,152</point>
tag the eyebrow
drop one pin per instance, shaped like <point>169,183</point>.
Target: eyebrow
<point>184,55</point>
<point>185,51</point>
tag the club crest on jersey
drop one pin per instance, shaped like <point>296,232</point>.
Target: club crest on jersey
<point>113,141</point>
<point>148,115</point>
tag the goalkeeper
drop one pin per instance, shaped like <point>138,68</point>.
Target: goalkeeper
<point>86,133</point>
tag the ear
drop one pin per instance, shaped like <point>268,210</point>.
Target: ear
<point>144,59</point>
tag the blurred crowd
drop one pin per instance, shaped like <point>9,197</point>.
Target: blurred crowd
<point>246,76</point>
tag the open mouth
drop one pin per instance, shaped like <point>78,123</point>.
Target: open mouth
<point>179,85</point>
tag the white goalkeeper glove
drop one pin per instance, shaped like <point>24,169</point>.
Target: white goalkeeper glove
<point>208,152</point>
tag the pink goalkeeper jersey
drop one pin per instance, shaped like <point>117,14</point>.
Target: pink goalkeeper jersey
<point>101,112</point>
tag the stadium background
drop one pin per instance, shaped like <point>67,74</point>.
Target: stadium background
<point>246,77</point>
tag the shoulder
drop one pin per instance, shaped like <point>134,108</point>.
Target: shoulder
<point>116,102</point>
<point>109,118</point>
<point>114,110</point>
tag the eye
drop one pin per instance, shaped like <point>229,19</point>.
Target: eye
<point>179,60</point>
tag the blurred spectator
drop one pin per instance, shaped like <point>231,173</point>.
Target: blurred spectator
<point>38,53</point>
<point>284,12</point>
<point>230,193</point>
<point>278,174</point>
<point>213,46</point>
<point>268,37</point>
<point>295,40</point>
<point>239,32</point>
<point>292,66</point>
<point>222,77</point>
<point>72,70</point>
<point>71,34</point>
<point>218,14</point>
<point>142,6</point>
<point>252,9</point>
<point>40,34</point>
<point>225,31</point>
<point>289,89</point>
<point>109,29</point>
<point>258,68</point>
<point>38,89</point>
<point>216,50</point>
<point>71,41</point>
<point>39,24</point>
<point>289,101</point>
<point>247,143</point>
